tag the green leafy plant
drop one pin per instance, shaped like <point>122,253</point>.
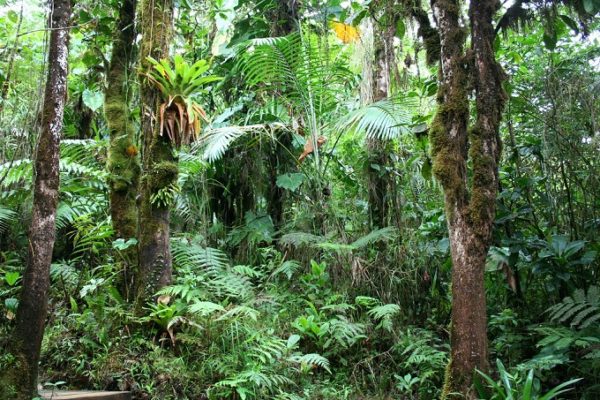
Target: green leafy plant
<point>515,387</point>
<point>583,310</point>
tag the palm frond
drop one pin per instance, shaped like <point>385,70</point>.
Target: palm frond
<point>7,216</point>
<point>215,141</point>
<point>298,70</point>
<point>385,119</point>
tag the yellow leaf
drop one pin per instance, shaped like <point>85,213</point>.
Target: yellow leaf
<point>346,33</point>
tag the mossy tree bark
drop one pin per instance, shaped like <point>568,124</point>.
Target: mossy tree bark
<point>20,381</point>
<point>384,66</point>
<point>469,198</point>
<point>122,164</point>
<point>159,163</point>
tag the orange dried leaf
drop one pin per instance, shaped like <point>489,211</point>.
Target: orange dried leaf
<point>346,33</point>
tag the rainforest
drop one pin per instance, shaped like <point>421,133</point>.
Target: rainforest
<point>299,199</point>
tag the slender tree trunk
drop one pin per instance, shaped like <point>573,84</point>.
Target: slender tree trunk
<point>20,382</point>
<point>122,164</point>
<point>384,64</point>
<point>470,202</point>
<point>159,164</point>
<point>279,159</point>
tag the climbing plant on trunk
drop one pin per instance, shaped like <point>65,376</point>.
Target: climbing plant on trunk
<point>20,381</point>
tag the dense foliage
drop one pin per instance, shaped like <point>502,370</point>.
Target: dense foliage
<point>285,284</point>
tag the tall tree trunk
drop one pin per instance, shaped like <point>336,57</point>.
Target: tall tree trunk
<point>279,158</point>
<point>20,382</point>
<point>122,164</point>
<point>384,63</point>
<point>280,161</point>
<point>470,202</point>
<point>159,164</point>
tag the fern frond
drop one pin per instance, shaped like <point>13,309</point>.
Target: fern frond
<point>343,332</point>
<point>287,268</point>
<point>7,216</point>
<point>16,173</point>
<point>384,311</point>
<point>185,253</point>
<point>297,239</point>
<point>64,273</point>
<point>205,308</point>
<point>185,292</point>
<point>240,311</point>
<point>312,360</point>
<point>374,236</point>
<point>583,310</point>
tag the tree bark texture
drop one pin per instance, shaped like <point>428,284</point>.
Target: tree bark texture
<point>20,382</point>
<point>122,164</point>
<point>159,164</point>
<point>469,198</point>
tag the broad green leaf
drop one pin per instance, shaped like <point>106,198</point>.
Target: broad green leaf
<point>400,29</point>
<point>290,181</point>
<point>92,99</point>
<point>11,277</point>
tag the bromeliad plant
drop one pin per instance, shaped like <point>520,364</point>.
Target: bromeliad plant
<point>180,84</point>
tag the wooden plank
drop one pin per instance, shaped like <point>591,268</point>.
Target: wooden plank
<point>83,395</point>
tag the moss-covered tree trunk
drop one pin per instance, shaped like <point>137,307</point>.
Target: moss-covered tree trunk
<point>159,163</point>
<point>122,164</point>
<point>469,197</point>
<point>20,381</point>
